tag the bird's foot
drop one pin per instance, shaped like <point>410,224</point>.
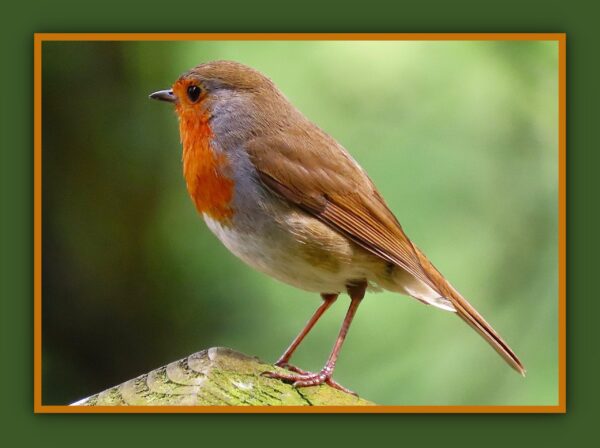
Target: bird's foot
<point>292,368</point>
<point>302,378</point>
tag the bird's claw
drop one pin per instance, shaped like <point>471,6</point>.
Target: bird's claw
<point>302,378</point>
<point>291,368</point>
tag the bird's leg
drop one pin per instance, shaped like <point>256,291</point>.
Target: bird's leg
<point>328,300</point>
<point>304,379</point>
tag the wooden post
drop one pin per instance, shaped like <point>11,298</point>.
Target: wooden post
<point>217,376</point>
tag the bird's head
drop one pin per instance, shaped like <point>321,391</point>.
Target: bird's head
<point>231,95</point>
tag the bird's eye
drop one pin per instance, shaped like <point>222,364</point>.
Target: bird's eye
<point>193,93</point>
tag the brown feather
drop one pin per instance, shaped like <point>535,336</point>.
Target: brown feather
<point>307,167</point>
<point>469,314</point>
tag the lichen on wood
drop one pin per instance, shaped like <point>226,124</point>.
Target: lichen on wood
<point>217,377</point>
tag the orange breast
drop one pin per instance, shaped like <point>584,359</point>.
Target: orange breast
<point>204,169</point>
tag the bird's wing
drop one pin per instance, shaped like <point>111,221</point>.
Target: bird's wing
<point>311,170</point>
<point>316,174</point>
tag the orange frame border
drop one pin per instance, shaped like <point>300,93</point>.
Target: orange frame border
<point>39,38</point>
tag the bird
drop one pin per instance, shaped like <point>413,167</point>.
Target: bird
<point>290,201</point>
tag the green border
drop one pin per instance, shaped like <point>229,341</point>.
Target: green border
<point>16,193</point>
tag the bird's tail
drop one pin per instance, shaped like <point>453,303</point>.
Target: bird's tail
<point>469,314</point>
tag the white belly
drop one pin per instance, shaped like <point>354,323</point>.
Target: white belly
<point>277,251</point>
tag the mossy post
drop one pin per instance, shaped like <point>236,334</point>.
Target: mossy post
<point>217,377</point>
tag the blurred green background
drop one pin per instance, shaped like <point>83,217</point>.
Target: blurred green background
<point>461,139</point>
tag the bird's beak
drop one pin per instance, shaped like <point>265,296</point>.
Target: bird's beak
<point>164,95</point>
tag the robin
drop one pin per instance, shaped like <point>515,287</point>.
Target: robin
<point>291,202</point>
